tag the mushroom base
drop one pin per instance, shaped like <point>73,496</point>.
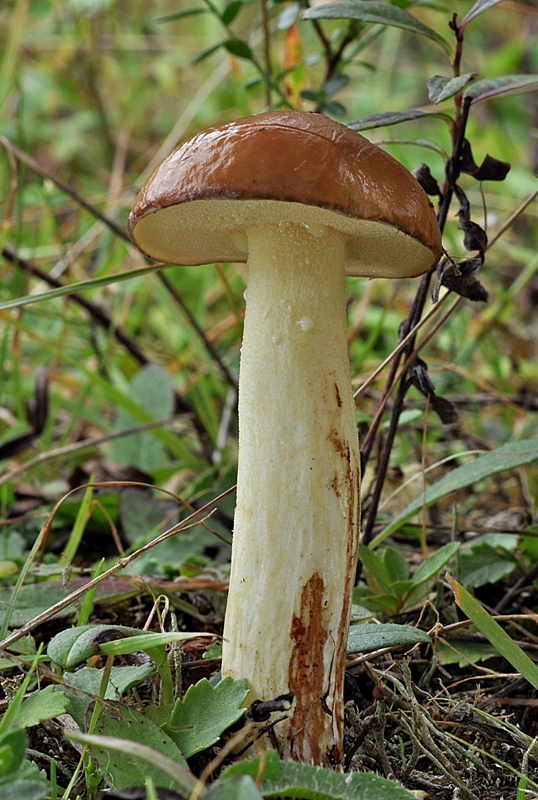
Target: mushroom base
<point>296,525</point>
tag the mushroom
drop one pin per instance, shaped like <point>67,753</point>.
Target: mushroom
<point>305,201</point>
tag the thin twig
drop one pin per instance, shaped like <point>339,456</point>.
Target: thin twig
<point>452,174</point>
<point>76,447</point>
<point>210,347</point>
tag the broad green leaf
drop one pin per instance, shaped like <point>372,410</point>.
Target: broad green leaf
<point>137,759</point>
<point>27,789</point>
<point>463,653</point>
<point>401,588</point>
<point>238,48</point>
<point>335,108</point>
<point>509,456</point>
<point>231,11</point>
<point>485,563</point>
<point>35,598</point>
<point>199,720</point>
<point>288,779</point>
<point>390,118</point>
<point>42,704</point>
<point>375,567</point>
<point>376,603</point>
<point>370,637</point>
<point>144,516</point>
<point>7,569</point>
<point>396,564</point>
<point>71,647</point>
<point>492,87</point>
<point>494,633</point>
<point>152,390</point>
<point>124,770</point>
<point>478,8</point>
<point>12,751</point>
<point>88,679</point>
<point>377,13</point>
<point>429,568</point>
<point>440,88</point>
<point>288,16</point>
<point>75,645</point>
<point>84,684</point>
<point>236,787</point>
<point>336,84</point>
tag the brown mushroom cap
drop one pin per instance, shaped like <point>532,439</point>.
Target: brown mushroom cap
<point>286,166</point>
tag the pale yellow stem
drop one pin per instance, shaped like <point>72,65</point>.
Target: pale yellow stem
<point>297,517</point>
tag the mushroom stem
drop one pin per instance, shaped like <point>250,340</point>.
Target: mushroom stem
<point>296,523</point>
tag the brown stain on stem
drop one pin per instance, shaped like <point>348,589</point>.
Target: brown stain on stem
<point>338,398</point>
<point>307,674</point>
<point>316,729</point>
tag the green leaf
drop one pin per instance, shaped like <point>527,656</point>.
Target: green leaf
<point>88,679</point>
<point>463,653</point>
<point>376,568</point>
<point>82,518</point>
<point>440,88</point>
<point>71,647</point>
<point>478,8</point>
<point>231,11</point>
<point>484,563</point>
<point>401,588</point>
<point>311,94</point>
<point>236,787</point>
<point>288,16</point>
<point>335,108</point>
<point>125,769</point>
<point>370,637</point>
<point>145,641</point>
<point>494,633</point>
<point>35,598</point>
<point>492,87</point>
<point>287,779</point>
<point>390,118</point>
<point>85,683</point>
<point>207,52</point>
<point>396,565</point>
<point>190,12</point>
<point>12,751</point>
<point>42,704</point>
<point>238,48</point>
<point>374,12</point>
<point>509,456</point>
<point>27,789</point>
<point>199,720</point>
<point>429,568</point>
<point>386,604</point>
<point>335,84</point>
<point>152,390</point>
<point>160,762</point>
<point>81,286</point>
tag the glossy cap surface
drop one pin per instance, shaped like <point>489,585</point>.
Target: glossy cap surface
<point>286,167</point>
